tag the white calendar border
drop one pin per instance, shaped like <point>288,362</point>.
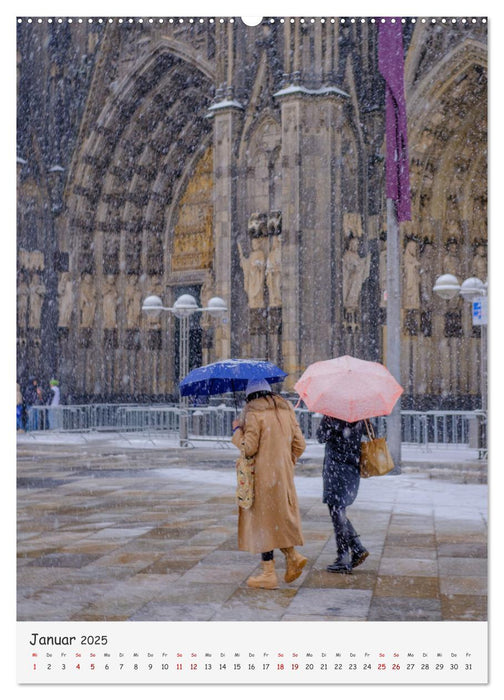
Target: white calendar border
<point>10,626</point>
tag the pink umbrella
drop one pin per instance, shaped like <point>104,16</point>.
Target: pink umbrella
<point>348,388</point>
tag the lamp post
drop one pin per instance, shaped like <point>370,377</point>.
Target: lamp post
<point>474,291</point>
<point>183,309</point>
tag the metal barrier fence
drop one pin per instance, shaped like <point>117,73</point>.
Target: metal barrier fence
<point>103,417</point>
<point>419,428</point>
<point>424,428</point>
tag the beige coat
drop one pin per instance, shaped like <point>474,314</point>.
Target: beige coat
<point>271,433</point>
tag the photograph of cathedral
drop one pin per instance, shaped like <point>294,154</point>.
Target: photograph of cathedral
<point>202,156</point>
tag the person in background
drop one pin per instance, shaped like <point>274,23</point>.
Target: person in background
<point>268,430</point>
<point>341,479</point>
<point>20,420</point>
<point>55,401</point>
<point>33,397</point>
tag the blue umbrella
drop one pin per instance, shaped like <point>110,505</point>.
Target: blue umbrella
<point>228,375</point>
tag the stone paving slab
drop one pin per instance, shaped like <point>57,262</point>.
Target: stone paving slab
<point>111,534</point>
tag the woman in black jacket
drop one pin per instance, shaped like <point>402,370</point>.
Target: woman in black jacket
<point>341,478</point>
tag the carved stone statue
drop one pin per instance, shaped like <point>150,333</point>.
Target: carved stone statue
<point>355,272</point>
<point>274,223</point>
<point>36,260</point>
<point>426,271</point>
<point>479,261</point>
<point>451,262</point>
<point>65,296</point>
<point>133,298</point>
<point>37,292</point>
<point>206,294</point>
<point>411,262</point>
<point>274,272</point>
<point>133,301</point>
<point>254,268</point>
<point>451,266</point>
<point>23,294</point>
<point>257,225</point>
<point>87,302</point>
<point>110,302</point>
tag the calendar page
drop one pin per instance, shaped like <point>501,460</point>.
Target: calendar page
<point>246,246</point>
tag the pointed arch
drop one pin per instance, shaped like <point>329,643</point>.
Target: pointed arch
<point>447,127</point>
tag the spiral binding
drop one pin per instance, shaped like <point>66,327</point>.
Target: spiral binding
<point>128,21</point>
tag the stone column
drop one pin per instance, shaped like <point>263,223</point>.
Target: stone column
<point>226,117</point>
<point>291,202</point>
<point>310,216</point>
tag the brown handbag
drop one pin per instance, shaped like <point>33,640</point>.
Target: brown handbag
<point>245,476</point>
<point>375,459</point>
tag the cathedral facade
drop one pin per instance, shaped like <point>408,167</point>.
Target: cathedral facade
<point>204,156</point>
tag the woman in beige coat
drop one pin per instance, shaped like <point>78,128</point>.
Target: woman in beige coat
<point>269,431</point>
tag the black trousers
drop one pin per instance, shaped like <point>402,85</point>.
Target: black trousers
<point>343,529</point>
<point>267,556</point>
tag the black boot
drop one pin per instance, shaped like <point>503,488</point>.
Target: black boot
<point>343,563</point>
<point>359,552</point>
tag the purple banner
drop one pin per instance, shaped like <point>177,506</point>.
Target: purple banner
<point>391,66</point>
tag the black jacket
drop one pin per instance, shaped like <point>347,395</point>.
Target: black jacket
<point>340,473</point>
<point>31,398</point>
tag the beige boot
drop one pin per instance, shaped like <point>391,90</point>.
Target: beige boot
<point>268,578</point>
<point>295,564</point>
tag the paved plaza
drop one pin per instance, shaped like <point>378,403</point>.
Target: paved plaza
<point>115,528</point>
